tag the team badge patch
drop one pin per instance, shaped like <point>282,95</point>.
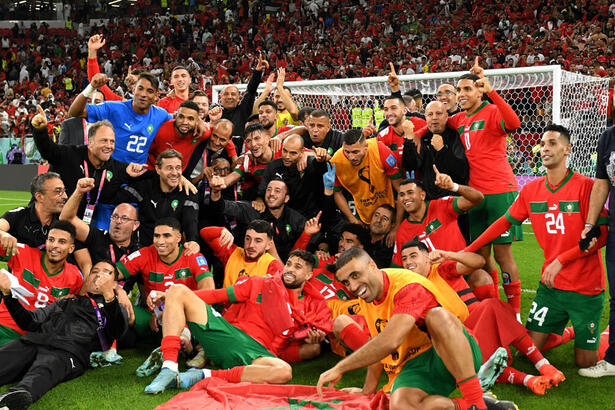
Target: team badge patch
<point>174,204</point>
<point>109,175</point>
<point>150,128</point>
<point>288,229</point>
<point>200,260</point>
<point>391,160</point>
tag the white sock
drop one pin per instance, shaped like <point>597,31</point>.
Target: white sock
<point>527,379</point>
<point>541,363</point>
<point>206,373</point>
<point>171,365</point>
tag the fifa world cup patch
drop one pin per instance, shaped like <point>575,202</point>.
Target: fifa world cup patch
<point>200,260</point>
<point>391,160</point>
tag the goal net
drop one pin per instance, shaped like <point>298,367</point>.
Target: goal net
<point>539,95</point>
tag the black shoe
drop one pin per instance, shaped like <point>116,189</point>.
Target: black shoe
<point>16,399</point>
<point>493,403</point>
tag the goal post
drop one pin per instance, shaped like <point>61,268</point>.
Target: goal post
<point>539,95</point>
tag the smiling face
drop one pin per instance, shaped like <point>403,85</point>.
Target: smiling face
<point>166,240</point>
<point>180,79</point>
<point>468,95</point>
<point>553,149</point>
<point>230,97</point>
<point>185,121</point>
<point>276,194</point>
<point>291,150</point>
<point>411,197</point>
<point>170,171</point>
<point>102,143</point>
<point>296,272</point>
<point>203,102</point>
<point>58,245</point>
<point>416,260</point>
<point>220,136</point>
<point>394,111</point>
<point>447,96</point>
<point>257,143</point>
<point>362,278</point>
<point>144,96</point>
<point>53,195</point>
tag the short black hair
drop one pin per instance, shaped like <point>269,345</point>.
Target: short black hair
<point>415,244</point>
<point>257,126</point>
<point>179,67</point>
<point>64,226</point>
<point>39,180</point>
<point>169,221</point>
<point>261,226</point>
<point>268,102</point>
<point>359,231</point>
<point>304,112</point>
<point>469,76</point>
<point>353,135</point>
<point>116,272</point>
<point>146,75</point>
<point>319,114</point>
<point>396,97</point>
<point>389,208</point>
<point>347,256</point>
<point>414,93</point>
<point>253,117</point>
<point>416,182</point>
<point>563,131</point>
<point>308,257</point>
<point>191,105</point>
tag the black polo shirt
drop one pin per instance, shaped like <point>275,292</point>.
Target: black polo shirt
<point>102,247</point>
<point>26,227</point>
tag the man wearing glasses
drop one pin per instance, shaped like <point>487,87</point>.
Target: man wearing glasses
<point>447,95</point>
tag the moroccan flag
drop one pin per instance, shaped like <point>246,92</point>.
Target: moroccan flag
<point>213,393</point>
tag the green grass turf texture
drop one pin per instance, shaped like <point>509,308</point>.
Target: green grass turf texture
<point>119,388</point>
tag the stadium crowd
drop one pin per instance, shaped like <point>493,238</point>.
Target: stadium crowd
<point>251,234</point>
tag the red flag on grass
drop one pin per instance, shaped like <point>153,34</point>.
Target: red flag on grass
<point>213,393</point>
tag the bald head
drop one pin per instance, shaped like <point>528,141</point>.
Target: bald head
<point>436,117</point>
<point>221,134</point>
<point>292,150</point>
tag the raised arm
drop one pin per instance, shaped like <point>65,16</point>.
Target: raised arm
<point>469,198</point>
<point>78,107</point>
<point>69,211</point>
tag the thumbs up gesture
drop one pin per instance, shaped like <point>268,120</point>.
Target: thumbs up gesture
<point>39,121</point>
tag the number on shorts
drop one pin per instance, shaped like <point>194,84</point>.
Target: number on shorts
<point>42,300</point>
<point>136,143</point>
<point>538,315</point>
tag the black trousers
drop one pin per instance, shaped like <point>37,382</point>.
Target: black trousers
<point>39,368</point>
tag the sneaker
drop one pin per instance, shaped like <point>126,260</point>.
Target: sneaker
<point>189,378</point>
<point>600,369</point>
<point>492,368</point>
<point>104,359</point>
<point>16,399</point>
<point>538,385</point>
<point>165,379</point>
<point>493,403</point>
<point>199,360</point>
<point>550,372</point>
<point>152,364</point>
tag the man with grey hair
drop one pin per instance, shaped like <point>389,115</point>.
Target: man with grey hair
<point>73,162</point>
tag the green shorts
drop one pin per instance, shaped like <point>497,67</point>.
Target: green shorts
<point>7,334</point>
<point>488,211</point>
<point>428,373</point>
<point>226,345</point>
<point>552,308</point>
<point>144,333</point>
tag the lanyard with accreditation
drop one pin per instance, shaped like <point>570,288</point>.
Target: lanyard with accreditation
<point>89,208</point>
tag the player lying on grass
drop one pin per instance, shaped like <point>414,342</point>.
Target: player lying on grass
<point>572,280</point>
<point>244,342</point>
<point>416,339</point>
<point>491,321</point>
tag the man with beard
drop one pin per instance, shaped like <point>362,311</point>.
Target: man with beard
<point>243,343</point>
<point>218,145</point>
<point>180,81</point>
<point>382,221</point>
<point>288,223</point>
<point>267,114</point>
<point>45,274</point>
<point>161,197</point>
<point>206,112</point>
<point>447,95</point>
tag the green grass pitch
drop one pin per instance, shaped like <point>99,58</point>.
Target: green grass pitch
<point>119,388</point>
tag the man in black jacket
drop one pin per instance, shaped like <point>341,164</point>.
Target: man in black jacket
<point>61,337</point>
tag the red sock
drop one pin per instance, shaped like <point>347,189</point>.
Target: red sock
<point>495,277</point>
<point>484,292</point>
<point>557,340</point>
<point>526,346</point>
<point>170,348</point>
<point>291,353</point>
<point>471,392</point>
<point>513,294</point>
<point>604,343</point>
<point>353,337</point>
<point>230,375</point>
<point>512,376</point>
<point>114,345</point>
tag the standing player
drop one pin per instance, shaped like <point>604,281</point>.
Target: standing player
<point>180,80</point>
<point>483,128</point>
<point>572,283</point>
<point>44,273</point>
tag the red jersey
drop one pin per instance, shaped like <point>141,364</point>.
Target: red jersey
<point>438,229</point>
<point>448,271</point>
<point>484,137</point>
<point>158,275</point>
<point>168,137</point>
<point>558,216</point>
<point>251,171</point>
<point>323,279</point>
<point>170,104</point>
<point>395,141</point>
<point>28,266</point>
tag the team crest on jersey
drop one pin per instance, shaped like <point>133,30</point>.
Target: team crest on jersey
<point>288,228</point>
<point>592,328</point>
<point>195,139</point>
<point>174,204</point>
<point>150,128</point>
<point>109,176</point>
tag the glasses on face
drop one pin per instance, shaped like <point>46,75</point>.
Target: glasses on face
<point>219,169</point>
<point>123,218</point>
<point>443,93</point>
<point>57,191</point>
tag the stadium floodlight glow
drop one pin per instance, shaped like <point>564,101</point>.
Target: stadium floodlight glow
<point>539,95</point>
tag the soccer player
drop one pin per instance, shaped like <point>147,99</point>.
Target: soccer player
<point>251,260</point>
<point>161,265</point>
<point>483,128</point>
<point>572,280</point>
<point>180,81</point>
<point>394,135</point>
<point>243,344</point>
<point>369,171</point>
<point>491,321</point>
<point>282,96</point>
<point>44,273</point>
<point>395,303</point>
